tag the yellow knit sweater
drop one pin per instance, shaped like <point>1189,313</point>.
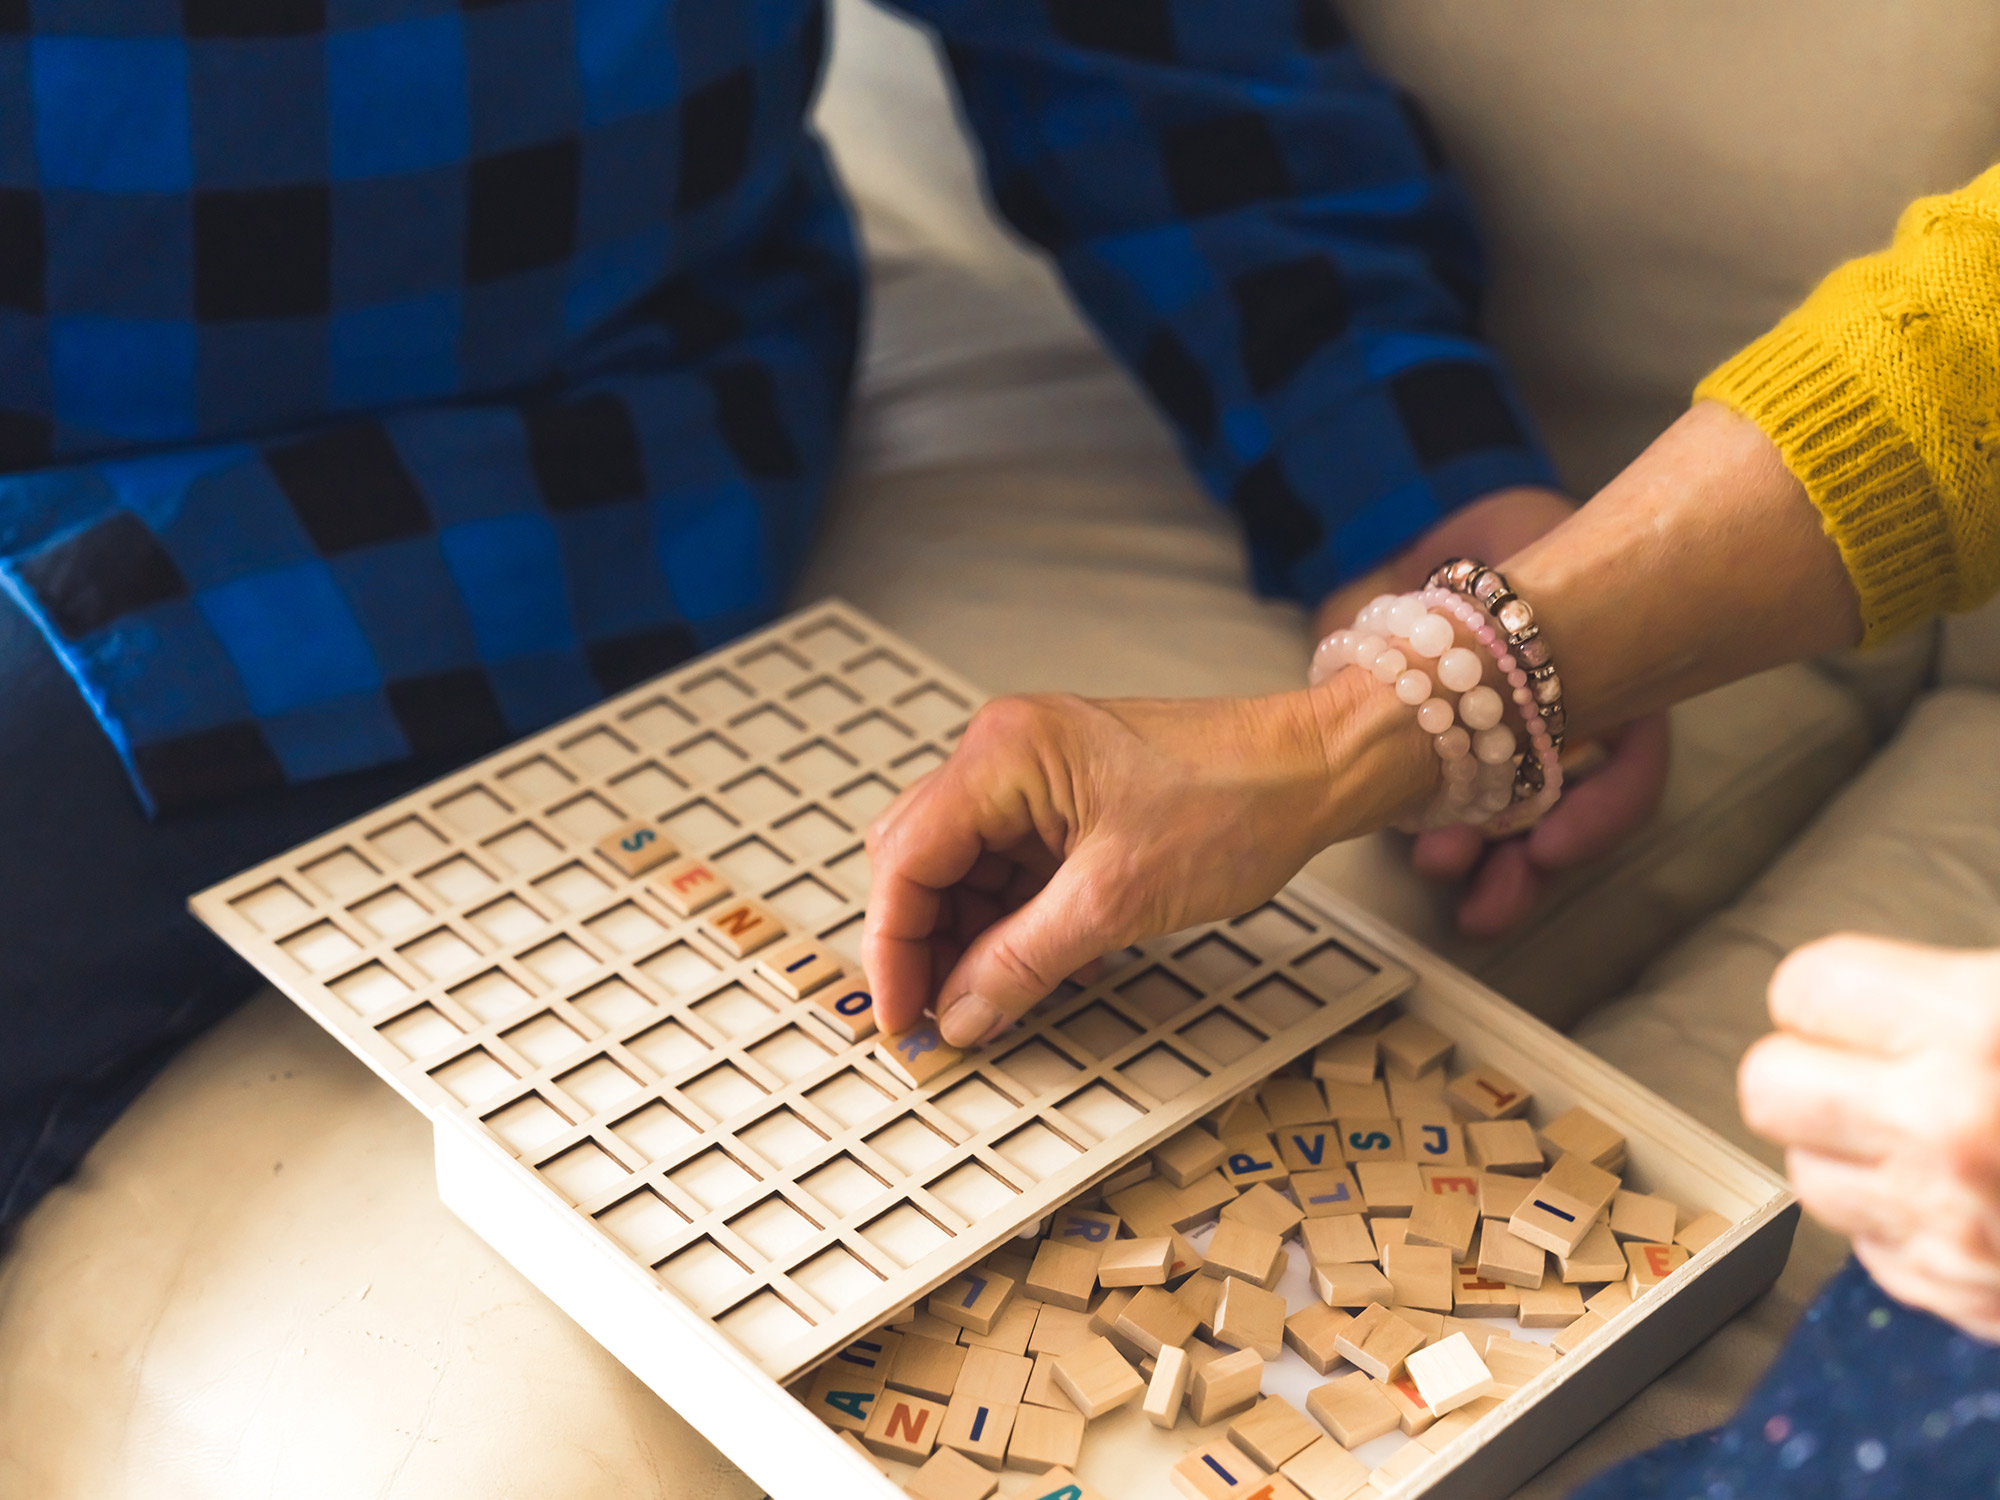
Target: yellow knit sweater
<point>1882,390</point>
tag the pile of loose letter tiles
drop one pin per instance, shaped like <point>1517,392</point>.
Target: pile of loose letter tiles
<point>1426,1206</point>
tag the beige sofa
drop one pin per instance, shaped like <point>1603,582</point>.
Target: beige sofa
<point>251,1290</point>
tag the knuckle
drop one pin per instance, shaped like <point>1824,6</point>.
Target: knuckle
<point>1020,971</point>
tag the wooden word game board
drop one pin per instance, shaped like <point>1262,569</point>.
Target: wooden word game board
<point>621,957</point>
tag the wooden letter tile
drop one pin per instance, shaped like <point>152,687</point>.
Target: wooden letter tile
<point>1609,1300</point>
<point>1191,1154</point>
<point>973,1299</point>
<point>1378,1341</point>
<point>1411,1048</point>
<point>1097,1378</point>
<point>1044,1439</point>
<point>1135,1262</point>
<point>1251,1158</point>
<point>1343,1240</point>
<point>1199,1295</point>
<point>689,886</point>
<point>742,927</point>
<point>1168,1387</point>
<point>1389,1187</point>
<point>1240,1249</point>
<point>849,1008</point>
<point>1597,1257</point>
<point>1558,1212</point>
<point>1504,1146</point>
<point>1198,1202</point>
<point>1325,1471</point>
<point>1505,1256</point>
<point>1357,1101</point>
<point>1185,1259</point>
<point>1223,1386</point>
<point>1652,1264</point>
<point>927,1368</point>
<point>1272,1431</point>
<point>993,1376</point>
<point>1452,1182</point>
<point>1515,1362</point>
<point>1150,1207</point>
<point>1567,1341</point>
<point>1010,1331</point>
<point>634,848</point>
<point>1311,1331</point>
<point>1412,1412</point>
<point>1248,1317</point>
<point>1641,1216</point>
<point>1216,1472</point>
<point>1089,1228</point>
<point>904,1427</point>
<point>1058,1484</point>
<point>1449,1222</point>
<point>1554,1304</point>
<point>1042,1388</point>
<point>1057,1329</point>
<point>1292,1101</point>
<point>1328,1193</point>
<point>799,968</point>
<point>1398,1466</point>
<point>917,1055</point>
<point>1155,1319</point>
<point>1421,1275</point>
<point>1475,1295</point>
<point>950,1475</point>
<point>841,1398</point>
<point>1063,1274</point>
<point>1353,1409</point>
<point>1365,1140</point>
<point>1358,1285</point>
<point>1345,1059</point>
<point>1449,1374</point>
<point>1500,1194</point>
<point>1433,1140</point>
<point>1265,1207</point>
<point>977,1428</point>
<point>1578,1132</point>
<point>870,1356</point>
<point>1701,1231</point>
<point>1489,1094</point>
<point>1104,1317</point>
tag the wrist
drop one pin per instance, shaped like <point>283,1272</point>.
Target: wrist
<point>1370,760</point>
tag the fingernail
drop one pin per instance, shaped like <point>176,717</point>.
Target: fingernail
<point>967,1019</point>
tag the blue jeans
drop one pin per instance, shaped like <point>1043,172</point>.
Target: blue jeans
<point>103,974</point>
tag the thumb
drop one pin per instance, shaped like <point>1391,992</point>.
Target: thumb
<point>1019,960</point>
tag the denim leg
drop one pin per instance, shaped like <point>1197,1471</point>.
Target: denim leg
<point>103,974</point>
<point>1869,1400</point>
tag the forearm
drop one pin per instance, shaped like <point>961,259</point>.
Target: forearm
<point>1702,563</point>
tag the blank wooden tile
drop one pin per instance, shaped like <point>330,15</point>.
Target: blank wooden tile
<point>1249,1317</point>
<point>1609,1300</point>
<point>1251,1158</point>
<point>1578,1132</point>
<point>950,1475</point>
<point>1387,1232</point>
<point>1433,1140</point>
<point>978,1428</point>
<point>1135,1262</point>
<point>1010,1331</point>
<point>1092,1229</point>
<point>689,886</point>
<point>1057,1329</point>
<point>742,927</point>
<point>1652,1264</point>
<point>993,1376</point>
<point>1058,1484</point>
<point>917,1055</point>
<point>1365,1140</point>
<point>904,1427</point>
<point>1345,1239</point>
<point>1131,1175</point>
<point>1064,1275</point>
<point>1199,1295</point>
<point>634,848</point>
<point>1428,1322</point>
<point>1558,1212</point>
<point>1515,1362</point>
<point>1357,1101</point>
<point>848,1007</point>
<point>1325,1471</point>
<point>1345,1059</point>
<point>927,1367</point>
<point>972,1299</point>
<point>1489,1094</point>
<point>1505,1256</point>
<point>1411,1047</point>
<point>1474,1295</point>
<point>1272,1431</point>
<point>1357,1285</point>
<point>1154,1319</point>
<point>844,1399</point>
<point>1241,1113</point>
<point>1421,1275</point>
<point>1500,1194</point>
<point>1265,1207</point>
<point>1167,1388</point>
<point>1567,1341</point>
<point>1224,1385</point>
<point>1378,1341</point>
<point>1240,1249</point>
<point>1044,1439</point>
<point>1398,1466</point>
<point>1389,1187</point>
<point>924,1325</point>
<point>1310,1333</point>
<point>1197,1203</point>
<point>1104,1316</point>
<point>1642,1216</point>
<point>1449,1374</point>
<point>1292,1101</point>
<point>1597,1257</point>
<point>1097,1378</point>
<point>1446,1222</point>
<point>1353,1409</point>
<point>1193,1153</point>
<point>1700,1232</point>
<point>1328,1192</point>
<point>1217,1471</point>
<point>1042,1388</point>
<point>1452,1425</point>
<point>1554,1304</point>
<point>798,968</point>
<point>1507,1146</point>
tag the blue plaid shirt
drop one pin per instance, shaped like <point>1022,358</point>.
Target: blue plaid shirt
<point>391,377</point>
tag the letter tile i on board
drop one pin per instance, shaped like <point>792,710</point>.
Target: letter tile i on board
<point>635,848</point>
<point>849,1008</point>
<point>918,1055</point>
<point>800,967</point>
<point>689,886</point>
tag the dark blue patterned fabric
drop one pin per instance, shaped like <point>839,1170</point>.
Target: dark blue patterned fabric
<point>1869,1400</point>
<point>390,377</point>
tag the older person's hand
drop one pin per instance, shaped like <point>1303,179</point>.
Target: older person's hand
<point>1882,1082</point>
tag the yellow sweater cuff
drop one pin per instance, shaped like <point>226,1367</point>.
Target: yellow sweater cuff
<point>1882,392</point>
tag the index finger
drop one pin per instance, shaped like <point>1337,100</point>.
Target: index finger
<point>1875,995</point>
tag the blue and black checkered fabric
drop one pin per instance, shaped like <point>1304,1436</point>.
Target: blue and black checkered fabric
<point>382,377</point>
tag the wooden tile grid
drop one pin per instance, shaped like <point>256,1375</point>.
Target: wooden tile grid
<point>687,741</point>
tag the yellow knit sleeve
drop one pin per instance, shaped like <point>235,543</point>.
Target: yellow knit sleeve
<point>1882,391</point>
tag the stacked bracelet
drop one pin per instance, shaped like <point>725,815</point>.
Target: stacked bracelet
<point>1486,781</point>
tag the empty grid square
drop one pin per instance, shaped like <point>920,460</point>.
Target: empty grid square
<point>765,1323</point>
<point>458,880</point>
<point>1214,962</point>
<point>972,1191</point>
<point>508,921</point>
<point>1036,1151</point>
<point>817,764</point>
<point>472,812</point>
<point>574,887</point>
<point>846,940</point>
<point>625,928</point>
<point>724,1090</point>
<point>706,757</point>
<point>813,832</point>
<point>420,1032</point>
<point>848,1098</point>
<point>1332,970</point>
<point>535,780</point>
<point>753,864</point>
<point>1269,930</point>
<point>613,1005</point>
<point>772,667</point>
<point>474,1078</point>
<point>837,1277</point>
<point>735,1012</point>
<point>1098,1030</point>
<point>656,722</point>
<point>973,1105</point>
<point>699,826</point>
<point>392,913</point>
<point>527,1124</point>
<point>1157,996</point>
<point>766,730</point>
<point>931,708</point>
<point>599,752</point>
<point>906,1234</point>
<point>584,1171</point>
<point>908,768</point>
<point>585,818</point>
<point>715,693</point>
<point>320,947</point>
<point>759,796</point>
<point>407,841</point>
<point>851,873</point>
<point>342,874</point>
<point>880,672</point>
<point>441,955</point>
<point>823,700</point>
<point>559,962</point>
<point>680,970</point>
<point>826,639</point>
<point>599,1085</point>
<point>648,791</point>
<point>523,849</point>
<point>1277,1003</point>
<point>713,1178</point>
<point>791,1054</point>
<point>1163,1073</point>
<point>1098,1112</point>
<point>491,995</point>
<point>656,1132</point>
<point>644,1223</point>
<point>774,1228</point>
<point>844,1186</point>
<point>874,736</point>
<point>782,1139</point>
<point>273,908</point>
<point>860,801</point>
<point>805,903</point>
<point>703,1272</point>
<point>668,1047</point>
<point>1221,1037</point>
<point>1037,1067</point>
<point>369,990</point>
<point>910,1144</point>
<point>545,1039</point>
